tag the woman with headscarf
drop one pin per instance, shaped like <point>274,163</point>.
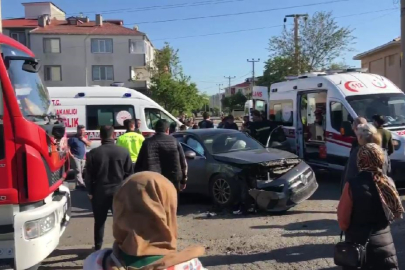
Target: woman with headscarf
<point>365,133</point>
<point>369,203</point>
<point>145,229</point>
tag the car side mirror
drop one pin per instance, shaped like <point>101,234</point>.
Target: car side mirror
<point>190,154</point>
<point>346,129</point>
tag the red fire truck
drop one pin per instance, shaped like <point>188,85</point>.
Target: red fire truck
<point>34,203</point>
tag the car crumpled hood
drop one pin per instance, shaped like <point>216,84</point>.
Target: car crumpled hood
<point>253,156</point>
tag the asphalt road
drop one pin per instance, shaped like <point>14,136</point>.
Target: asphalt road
<point>303,238</point>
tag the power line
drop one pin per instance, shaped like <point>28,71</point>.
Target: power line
<point>220,33</point>
<point>159,7</point>
<point>364,13</point>
<point>240,13</point>
<point>241,30</point>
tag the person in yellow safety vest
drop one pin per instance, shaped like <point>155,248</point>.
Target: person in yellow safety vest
<point>131,140</point>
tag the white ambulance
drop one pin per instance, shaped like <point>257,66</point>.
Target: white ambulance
<point>259,101</point>
<point>316,110</point>
<point>96,106</point>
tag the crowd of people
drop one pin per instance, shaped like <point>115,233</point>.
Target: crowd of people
<point>370,201</point>
<point>139,179</point>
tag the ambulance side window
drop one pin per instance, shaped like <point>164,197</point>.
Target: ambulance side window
<point>2,146</point>
<point>153,115</point>
<point>338,114</point>
<point>108,115</point>
<point>283,112</point>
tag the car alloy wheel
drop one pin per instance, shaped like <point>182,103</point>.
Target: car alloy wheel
<point>221,191</point>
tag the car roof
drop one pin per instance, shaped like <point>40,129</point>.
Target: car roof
<point>204,132</point>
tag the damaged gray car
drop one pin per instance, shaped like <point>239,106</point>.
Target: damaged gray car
<point>231,168</point>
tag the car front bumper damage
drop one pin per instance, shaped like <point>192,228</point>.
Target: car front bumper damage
<point>288,183</point>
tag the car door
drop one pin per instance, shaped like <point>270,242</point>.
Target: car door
<point>338,145</point>
<point>196,174</point>
<point>196,183</point>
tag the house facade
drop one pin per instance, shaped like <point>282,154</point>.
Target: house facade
<point>243,88</point>
<point>77,51</point>
<point>384,60</point>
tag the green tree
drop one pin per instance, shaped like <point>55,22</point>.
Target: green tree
<point>171,88</point>
<point>236,101</point>
<point>321,41</point>
<point>275,70</point>
<point>337,66</point>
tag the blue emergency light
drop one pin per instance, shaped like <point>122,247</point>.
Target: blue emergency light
<point>80,94</point>
<point>127,95</point>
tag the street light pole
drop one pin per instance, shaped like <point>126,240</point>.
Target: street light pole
<point>219,97</point>
<point>402,44</point>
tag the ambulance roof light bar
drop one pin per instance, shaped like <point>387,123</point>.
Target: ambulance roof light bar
<point>346,70</point>
<point>305,75</point>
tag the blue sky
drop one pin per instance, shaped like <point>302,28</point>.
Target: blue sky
<point>207,59</point>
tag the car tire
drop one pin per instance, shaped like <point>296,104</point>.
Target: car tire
<point>224,192</point>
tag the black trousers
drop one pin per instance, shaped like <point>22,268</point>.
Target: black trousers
<point>100,205</point>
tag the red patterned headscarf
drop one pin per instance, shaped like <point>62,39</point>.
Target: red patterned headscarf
<point>371,158</point>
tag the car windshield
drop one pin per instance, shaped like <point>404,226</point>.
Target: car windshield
<point>390,106</point>
<point>231,142</point>
<point>32,95</point>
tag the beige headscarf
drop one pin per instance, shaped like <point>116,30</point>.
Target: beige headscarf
<point>145,220</point>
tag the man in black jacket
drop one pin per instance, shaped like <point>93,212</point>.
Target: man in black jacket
<point>206,123</point>
<point>106,168</point>
<point>230,123</point>
<point>260,128</point>
<point>163,154</point>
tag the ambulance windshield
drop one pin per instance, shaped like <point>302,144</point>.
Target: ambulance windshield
<point>32,95</point>
<point>391,106</point>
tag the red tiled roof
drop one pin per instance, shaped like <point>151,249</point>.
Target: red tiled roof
<point>244,84</point>
<point>58,27</point>
<point>20,23</point>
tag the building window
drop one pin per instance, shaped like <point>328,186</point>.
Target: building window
<point>53,73</point>
<point>51,45</point>
<point>19,36</point>
<point>136,46</point>
<point>108,115</point>
<point>391,60</point>
<point>101,45</point>
<point>103,73</point>
<point>138,74</point>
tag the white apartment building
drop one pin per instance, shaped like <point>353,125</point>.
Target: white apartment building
<point>215,100</point>
<point>76,51</point>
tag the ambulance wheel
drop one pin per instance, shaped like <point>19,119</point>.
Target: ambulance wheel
<point>35,267</point>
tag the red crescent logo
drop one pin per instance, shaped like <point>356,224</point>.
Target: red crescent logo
<point>351,85</point>
<point>379,84</point>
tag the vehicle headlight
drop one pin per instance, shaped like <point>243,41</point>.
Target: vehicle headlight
<point>397,144</point>
<point>39,227</point>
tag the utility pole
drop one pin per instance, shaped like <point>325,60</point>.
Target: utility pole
<point>296,38</point>
<point>253,61</point>
<point>219,97</point>
<point>402,44</point>
<point>229,79</point>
